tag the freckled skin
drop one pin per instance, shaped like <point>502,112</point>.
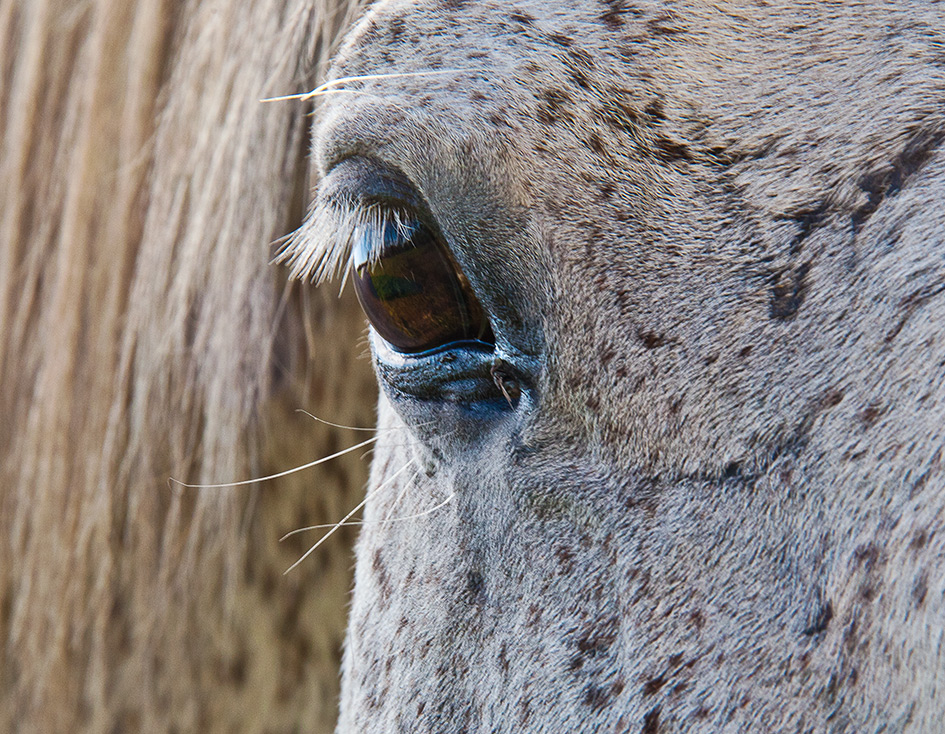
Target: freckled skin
<point>716,503</point>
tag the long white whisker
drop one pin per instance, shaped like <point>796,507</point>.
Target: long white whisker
<point>343,520</point>
<point>419,514</point>
<point>401,494</point>
<point>357,523</point>
<point>358,428</point>
<point>280,474</point>
<point>367,496</point>
<point>328,87</point>
<point>340,425</point>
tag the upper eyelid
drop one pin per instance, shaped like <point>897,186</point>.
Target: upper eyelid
<point>358,194</point>
<point>375,194</point>
<point>362,180</point>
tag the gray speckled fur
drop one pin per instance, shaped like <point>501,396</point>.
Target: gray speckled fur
<point>723,226</point>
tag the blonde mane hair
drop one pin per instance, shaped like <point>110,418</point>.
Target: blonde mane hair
<point>144,335</point>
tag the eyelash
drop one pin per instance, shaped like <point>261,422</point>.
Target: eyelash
<point>324,247</point>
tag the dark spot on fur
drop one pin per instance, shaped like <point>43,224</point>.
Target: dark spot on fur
<point>655,110</point>
<point>788,292</point>
<point>831,398</point>
<point>560,39</point>
<point>580,79</point>
<point>920,588</point>
<point>565,556</point>
<point>697,619</point>
<point>666,24</point>
<point>618,115</point>
<point>551,103</point>
<point>380,573</point>
<point>474,584</point>
<point>745,351</point>
<point>613,16</point>
<point>504,658</point>
<point>397,27</point>
<point>849,635</point>
<point>675,660</point>
<point>653,685</point>
<point>911,303</point>
<point>598,636</point>
<point>870,414</point>
<point>733,470</point>
<point>595,144</point>
<point>453,4</point>
<point>651,340</point>
<point>671,151</point>
<point>866,556</point>
<point>701,713</point>
<point>820,621</point>
<point>598,697</point>
<point>579,61</point>
<point>807,220</point>
<point>724,157</point>
<point>888,180</point>
<point>919,484</point>
<point>607,354</point>
<point>651,722</point>
<point>919,540</point>
<point>523,18</point>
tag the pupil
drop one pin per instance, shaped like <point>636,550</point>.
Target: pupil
<point>414,294</point>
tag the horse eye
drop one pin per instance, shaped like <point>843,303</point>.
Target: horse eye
<point>413,292</point>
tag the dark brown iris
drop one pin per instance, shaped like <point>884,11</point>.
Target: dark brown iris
<point>414,294</point>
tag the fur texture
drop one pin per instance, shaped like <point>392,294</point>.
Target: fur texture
<point>717,231</point>
<point>144,335</point>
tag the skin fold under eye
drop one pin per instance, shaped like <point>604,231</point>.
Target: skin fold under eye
<point>412,290</point>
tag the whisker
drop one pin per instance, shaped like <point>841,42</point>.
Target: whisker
<point>347,517</point>
<point>340,425</point>
<point>358,523</point>
<point>280,474</point>
<point>328,87</point>
<point>401,494</point>
<point>419,514</point>
<point>350,523</point>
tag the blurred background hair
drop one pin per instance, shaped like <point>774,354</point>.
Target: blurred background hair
<point>144,335</point>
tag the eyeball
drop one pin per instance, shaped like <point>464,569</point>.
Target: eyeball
<point>413,292</point>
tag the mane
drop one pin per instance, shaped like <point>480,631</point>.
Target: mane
<point>143,335</point>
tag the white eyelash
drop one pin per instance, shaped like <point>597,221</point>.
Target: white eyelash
<point>323,247</point>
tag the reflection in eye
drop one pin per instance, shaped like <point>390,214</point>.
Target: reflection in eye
<point>412,290</point>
